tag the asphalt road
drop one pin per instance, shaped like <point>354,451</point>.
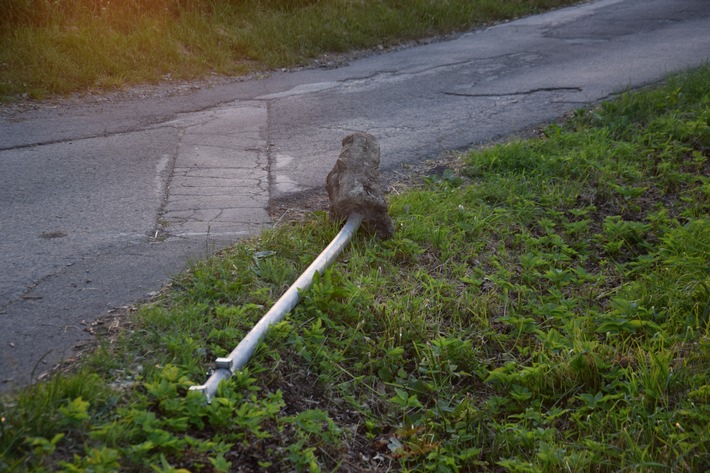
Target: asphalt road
<point>101,203</point>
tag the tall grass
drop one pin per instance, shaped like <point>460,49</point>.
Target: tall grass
<point>61,46</point>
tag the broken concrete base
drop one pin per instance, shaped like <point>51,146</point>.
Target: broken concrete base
<point>354,184</point>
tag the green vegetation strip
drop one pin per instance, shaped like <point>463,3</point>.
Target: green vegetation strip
<point>50,47</point>
<point>544,306</point>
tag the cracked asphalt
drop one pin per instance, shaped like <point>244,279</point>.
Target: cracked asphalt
<point>101,203</point>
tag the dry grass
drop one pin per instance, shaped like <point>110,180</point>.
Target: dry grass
<point>63,46</point>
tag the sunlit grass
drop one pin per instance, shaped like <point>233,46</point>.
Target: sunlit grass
<point>64,46</point>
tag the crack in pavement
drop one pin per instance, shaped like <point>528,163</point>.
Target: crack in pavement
<point>159,223</point>
<point>513,94</point>
<point>92,136</point>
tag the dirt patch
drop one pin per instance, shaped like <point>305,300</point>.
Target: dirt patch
<point>299,206</point>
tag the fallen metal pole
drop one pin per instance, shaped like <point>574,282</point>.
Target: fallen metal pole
<point>226,367</point>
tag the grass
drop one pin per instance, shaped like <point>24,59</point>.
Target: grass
<point>58,47</point>
<point>544,305</point>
